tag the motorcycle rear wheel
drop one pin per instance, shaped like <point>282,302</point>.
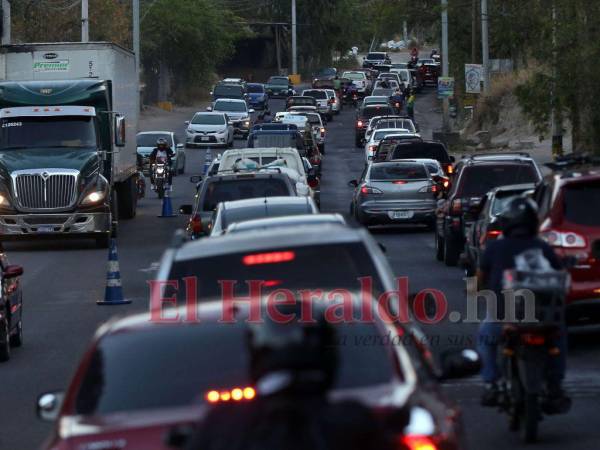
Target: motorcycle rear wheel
<point>530,418</point>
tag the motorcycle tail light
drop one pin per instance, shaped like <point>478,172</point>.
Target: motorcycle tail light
<point>417,442</point>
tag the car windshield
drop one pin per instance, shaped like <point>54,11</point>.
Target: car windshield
<point>208,119</point>
<point>330,266</point>
<point>230,106</point>
<point>478,180</point>
<point>149,140</point>
<point>375,56</point>
<point>177,364</point>
<point>239,189</point>
<point>422,150</point>
<point>228,90</point>
<point>259,212</point>
<point>255,88</point>
<point>320,95</point>
<point>355,76</point>
<point>582,203</point>
<point>405,171</point>
<point>279,81</point>
<point>501,201</point>
<point>48,132</point>
<point>373,111</point>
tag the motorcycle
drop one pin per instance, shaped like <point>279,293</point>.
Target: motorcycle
<point>529,347</point>
<point>160,176</point>
<point>351,96</point>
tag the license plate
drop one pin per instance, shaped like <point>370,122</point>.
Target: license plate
<point>401,214</point>
<point>46,229</point>
<point>205,139</point>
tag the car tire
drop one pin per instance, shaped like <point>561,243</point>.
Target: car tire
<point>439,247</point>
<point>451,252</point>
<point>4,340</point>
<point>16,340</point>
<point>127,195</point>
<point>358,142</point>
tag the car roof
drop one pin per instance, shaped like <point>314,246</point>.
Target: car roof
<point>301,219</point>
<point>318,234</point>
<point>255,84</point>
<point>230,100</point>
<point>265,201</point>
<point>243,175</point>
<point>398,131</point>
<point>210,113</point>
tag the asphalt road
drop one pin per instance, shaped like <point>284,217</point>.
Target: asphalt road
<point>63,279</point>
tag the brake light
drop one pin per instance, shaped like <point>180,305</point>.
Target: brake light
<point>365,190</point>
<point>449,169</point>
<point>399,182</point>
<point>417,442</point>
<point>360,124</point>
<point>566,239</point>
<point>268,258</point>
<point>236,394</point>
<point>313,182</point>
<point>533,339</point>
<point>196,224</point>
<point>456,207</point>
<point>432,188</point>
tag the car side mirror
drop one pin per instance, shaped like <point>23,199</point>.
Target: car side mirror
<point>417,128</point>
<point>251,111</point>
<point>353,183</point>
<point>12,271</point>
<point>195,178</point>
<point>120,130</point>
<point>179,146</point>
<point>229,122</point>
<point>187,122</point>
<point>209,108</point>
<point>48,405</point>
<point>186,209</point>
<point>459,363</point>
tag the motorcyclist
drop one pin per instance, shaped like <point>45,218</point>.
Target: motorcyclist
<point>292,367</point>
<point>162,151</point>
<point>397,99</point>
<point>519,222</point>
<point>337,87</point>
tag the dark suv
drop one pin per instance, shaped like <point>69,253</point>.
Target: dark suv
<point>362,119</point>
<point>235,186</point>
<point>569,208</point>
<point>475,175</point>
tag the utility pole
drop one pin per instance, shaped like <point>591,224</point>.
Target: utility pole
<point>445,68</point>
<point>474,32</point>
<point>6,22</point>
<point>294,49</point>
<point>278,49</point>
<point>136,45</point>
<point>485,46</point>
<point>85,22</point>
<point>557,128</point>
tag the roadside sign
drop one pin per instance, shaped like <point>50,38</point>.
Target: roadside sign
<point>445,87</point>
<point>473,78</point>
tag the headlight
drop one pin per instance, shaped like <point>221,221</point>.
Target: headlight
<point>160,170</point>
<point>94,197</point>
<point>247,123</point>
<point>4,200</point>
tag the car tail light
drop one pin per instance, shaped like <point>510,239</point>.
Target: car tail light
<point>449,169</point>
<point>565,239</point>
<point>533,339</point>
<point>196,224</point>
<point>365,190</point>
<point>432,188</point>
<point>313,182</point>
<point>268,258</point>
<point>360,124</point>
<point>315,161</point>
<point>400,182</point>
<point>322,132</point>
<point>236,394</point>
<point>456,207</point>
<point>417,442</point>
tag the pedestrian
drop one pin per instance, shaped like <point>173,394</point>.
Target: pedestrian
<point>410,105</point>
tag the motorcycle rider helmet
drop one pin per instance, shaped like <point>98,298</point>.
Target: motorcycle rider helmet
<point>520,218</point>
<point>162,143</point>
<point>294,356</point>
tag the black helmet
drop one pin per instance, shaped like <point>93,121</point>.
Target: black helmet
<point>520,218</point>
<point>295,356</point>
<point>162,143</point>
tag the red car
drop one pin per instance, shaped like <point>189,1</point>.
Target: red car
<point>569,203</point>
<point>142,382</point>
<point>430,73</point>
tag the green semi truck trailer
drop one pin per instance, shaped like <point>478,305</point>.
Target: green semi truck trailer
<point>68,120</point>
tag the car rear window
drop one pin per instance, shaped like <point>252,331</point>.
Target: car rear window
<point>478,180</point>
<point>396,123</point>
<point>149,140</point>
<point>421,150</point>
<point>386,172</point>
<point>256,88</point>
<point>502,199</point>
<point>224,89</point>
<point>260,212</point>
<point>240,189</point>
<point>372,111</point>
<point>175,365</point>
<point>302,101</point>
<point>321,95</point>
<point>375,56</point>
<point>311,267</point>
<point>265,140</point>
<point>581,203</point>
<point>355,76</point>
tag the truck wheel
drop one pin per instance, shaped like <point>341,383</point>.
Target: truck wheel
<point>451,252</point>
<point>4,340</point>
<point>127,193</point>
<point>16,340</point>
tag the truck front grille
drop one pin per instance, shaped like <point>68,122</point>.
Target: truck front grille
<point>46,191</point>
